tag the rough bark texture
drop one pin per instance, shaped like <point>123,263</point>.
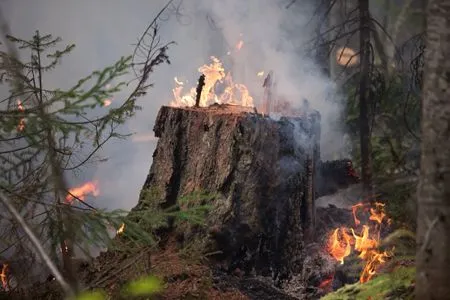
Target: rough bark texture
<point>364,86</point>
<point>433,232</point>
<point>259,168</point>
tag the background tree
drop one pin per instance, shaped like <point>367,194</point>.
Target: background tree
<point>433,221</point>
<point>364,85</point>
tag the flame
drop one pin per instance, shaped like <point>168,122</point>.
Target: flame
<point>82,191</point>
<point>340,248</point>
<point>4,277</point>
<point>21,125</point>
<point>365,243</point>
<point>178,81</point>
<point>354,210</point>
<point>233,93</point>
<point>121,229</point>
<point>107,102</point>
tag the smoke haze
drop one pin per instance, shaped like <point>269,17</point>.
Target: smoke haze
<point>274,38</point>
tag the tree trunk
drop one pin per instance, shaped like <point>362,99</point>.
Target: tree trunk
<point>364,85</point>
<point>433,232</point>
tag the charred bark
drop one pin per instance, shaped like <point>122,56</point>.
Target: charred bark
<point>256,164</point>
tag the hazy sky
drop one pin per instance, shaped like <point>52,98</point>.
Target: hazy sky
<point>104,30</point>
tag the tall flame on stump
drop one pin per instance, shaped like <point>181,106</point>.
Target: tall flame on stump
<point>233,93</point>
<point>343,240</point>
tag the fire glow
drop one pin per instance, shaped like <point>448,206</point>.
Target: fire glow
<point>21,125</point>
<point>82,191</point>
<point>233,93</point>
<point>343,240</point>
<point>121,229</point>
<point>4,277</point>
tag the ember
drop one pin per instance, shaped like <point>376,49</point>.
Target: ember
<point>4,277</point>
<point>82,191</point>
<point>107,102</point>
<point>342,239</point>
<point>121,229</point>
<point>21,125</point>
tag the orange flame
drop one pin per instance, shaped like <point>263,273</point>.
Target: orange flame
<point>365,243</point>
<point>21,125</point>
<point>233,93</point>
<point>82,191</point>
<point>339,248</point>
<point>4,277</point>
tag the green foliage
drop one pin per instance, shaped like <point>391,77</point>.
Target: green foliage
<point>92,295</point>
<point>49,134</point>
<point>401,205</point>
<point>144,286</point>
<point>395,285</point>
<point>394,130</point>
<point>192,208</point>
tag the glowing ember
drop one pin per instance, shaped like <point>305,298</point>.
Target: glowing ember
<point>346,57</point>
<point>107,102</point>
<point>366,243</point>
<point>21,125</point>
<point>4,277</point>
<point>121,229</point>
<point>233,93</point>
<point>82,191</point>
<point>326,283</point>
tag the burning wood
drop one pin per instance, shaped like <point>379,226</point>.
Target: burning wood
<point>342,240</point>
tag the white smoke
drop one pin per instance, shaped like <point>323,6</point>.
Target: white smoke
<point>275,38</point>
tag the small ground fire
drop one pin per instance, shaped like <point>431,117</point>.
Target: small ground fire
<point>343,240</point>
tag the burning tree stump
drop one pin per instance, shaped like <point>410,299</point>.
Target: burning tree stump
<point>259,167</point>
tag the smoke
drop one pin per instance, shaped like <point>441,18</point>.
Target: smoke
<point>274,38</point>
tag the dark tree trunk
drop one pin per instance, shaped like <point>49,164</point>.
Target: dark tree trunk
<point>364,85</point>
<point>433,221</point>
